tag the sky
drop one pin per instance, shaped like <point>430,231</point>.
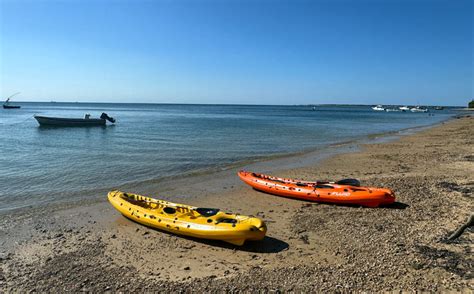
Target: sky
<point>238,51</point>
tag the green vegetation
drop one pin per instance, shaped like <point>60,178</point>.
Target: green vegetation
<point>471,104</point>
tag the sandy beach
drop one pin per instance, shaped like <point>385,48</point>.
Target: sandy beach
<point>88,246</point>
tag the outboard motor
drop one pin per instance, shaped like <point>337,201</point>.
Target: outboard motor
<point>105,116</point>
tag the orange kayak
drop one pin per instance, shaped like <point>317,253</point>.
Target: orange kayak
<point>343,192</point>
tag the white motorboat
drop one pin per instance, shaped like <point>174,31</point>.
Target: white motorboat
<point>404,108</point>
<point>73,122</point>
<point>378,108</point>
<point>418,109</point>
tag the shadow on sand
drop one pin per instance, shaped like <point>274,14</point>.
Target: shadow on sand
<point>396,205</point>
<point>267,245</point>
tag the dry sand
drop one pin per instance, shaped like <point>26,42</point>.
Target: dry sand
<point>88,246</point>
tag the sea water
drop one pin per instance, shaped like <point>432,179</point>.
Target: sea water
<point>151,141</point>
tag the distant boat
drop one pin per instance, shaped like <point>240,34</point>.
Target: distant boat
<point>392,110</point>
<point>378,108</point>
<point>73,122</point>
<point>404,108</point>
<point>418,109</point>
<point>439,108</point>
<point>6,104</point>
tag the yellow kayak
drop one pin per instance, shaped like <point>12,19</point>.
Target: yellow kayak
<point>204,223</point>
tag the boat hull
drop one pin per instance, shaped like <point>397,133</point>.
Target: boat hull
<point>419,110</point>
<point>11,106</point>
<point>324,193</point>
<point>185,220</point>
<point>68,122</point>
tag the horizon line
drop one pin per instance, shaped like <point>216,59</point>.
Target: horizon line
<point>237,104</point>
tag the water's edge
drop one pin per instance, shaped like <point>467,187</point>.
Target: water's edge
<point>226,174</point>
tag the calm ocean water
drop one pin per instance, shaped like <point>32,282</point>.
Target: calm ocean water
<point>151,141</point>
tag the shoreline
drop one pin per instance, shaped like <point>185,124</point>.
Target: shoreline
<point>309,246</point>
<point>275,161</point>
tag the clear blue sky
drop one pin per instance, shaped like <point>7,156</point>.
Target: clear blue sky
<point>256,52</point>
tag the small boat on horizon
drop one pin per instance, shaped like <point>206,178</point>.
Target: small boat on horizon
<point>74,122</point>
<point>6,104</point>
<point>404,108</point>
<point>378,108</point>
<point>418,109</point>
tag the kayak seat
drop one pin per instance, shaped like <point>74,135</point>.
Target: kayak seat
<point>207,212</point>
<point>169,210</point>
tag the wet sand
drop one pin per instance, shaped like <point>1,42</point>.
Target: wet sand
<point>88,246</point>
